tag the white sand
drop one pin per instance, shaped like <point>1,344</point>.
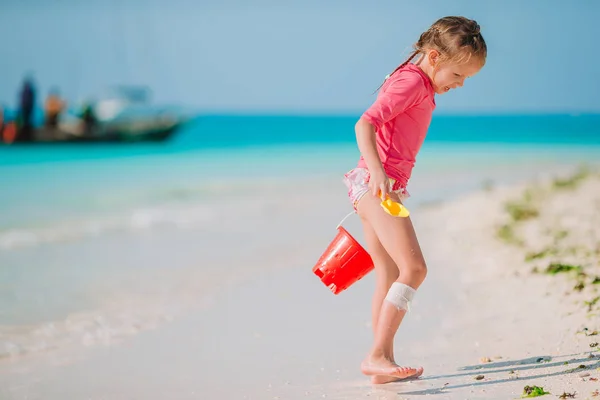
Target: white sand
<point>278,333</point>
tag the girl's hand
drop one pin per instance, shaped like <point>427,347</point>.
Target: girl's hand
<point>379,183</point>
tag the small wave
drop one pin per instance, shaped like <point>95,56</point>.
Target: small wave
<point>136,220</point>
<point>105,327</point>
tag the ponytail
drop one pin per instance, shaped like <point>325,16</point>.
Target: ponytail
<point>409,59</point>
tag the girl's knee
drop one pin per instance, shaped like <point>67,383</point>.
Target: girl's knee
<point>423,271</point>
<point>418,270</point>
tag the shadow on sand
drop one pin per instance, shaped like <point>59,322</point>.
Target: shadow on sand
<point>576,364</point>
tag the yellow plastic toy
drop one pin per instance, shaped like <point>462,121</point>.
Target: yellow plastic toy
<point>394,208</point>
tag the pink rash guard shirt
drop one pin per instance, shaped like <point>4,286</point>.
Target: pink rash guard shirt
<point>401,116</point>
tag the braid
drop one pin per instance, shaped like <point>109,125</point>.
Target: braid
<point>409,59</point>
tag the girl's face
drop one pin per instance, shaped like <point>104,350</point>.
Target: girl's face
<point>448,75</point>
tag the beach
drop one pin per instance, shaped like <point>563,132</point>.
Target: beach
<point>484,325</point>
<point>183,270</point>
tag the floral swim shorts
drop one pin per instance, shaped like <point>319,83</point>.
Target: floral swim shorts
<point>357,181</point>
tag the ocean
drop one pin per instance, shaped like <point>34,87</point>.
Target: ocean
<point>99,242</point>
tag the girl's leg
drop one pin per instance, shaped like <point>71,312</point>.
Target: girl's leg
<point>397,237</point>
<point>386,273</point>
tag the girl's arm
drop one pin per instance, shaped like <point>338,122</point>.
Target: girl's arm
<point>367,144</point>
<point>406,90</point>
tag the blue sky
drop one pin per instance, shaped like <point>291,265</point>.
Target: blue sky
<point>296,56</point>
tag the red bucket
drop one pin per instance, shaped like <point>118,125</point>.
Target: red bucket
<point>343,263</point>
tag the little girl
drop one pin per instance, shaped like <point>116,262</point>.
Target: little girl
<point>389,135</point>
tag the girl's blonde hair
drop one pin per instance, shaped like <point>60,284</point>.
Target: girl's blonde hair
<point>457,39</point>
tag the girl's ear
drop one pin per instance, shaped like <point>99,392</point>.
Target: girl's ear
<point>433,56</point>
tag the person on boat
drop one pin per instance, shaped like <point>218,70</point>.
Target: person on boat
<point>8,127</point>
<point>88,118</point>
<point>26,109</point>
<point>53,108</point>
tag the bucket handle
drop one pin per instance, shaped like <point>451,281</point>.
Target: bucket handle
<point>346,217</point>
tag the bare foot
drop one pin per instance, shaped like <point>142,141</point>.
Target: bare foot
<point>386,367</point>
<point>381,379</point>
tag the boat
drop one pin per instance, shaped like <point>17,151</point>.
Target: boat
<point>124,114</point>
